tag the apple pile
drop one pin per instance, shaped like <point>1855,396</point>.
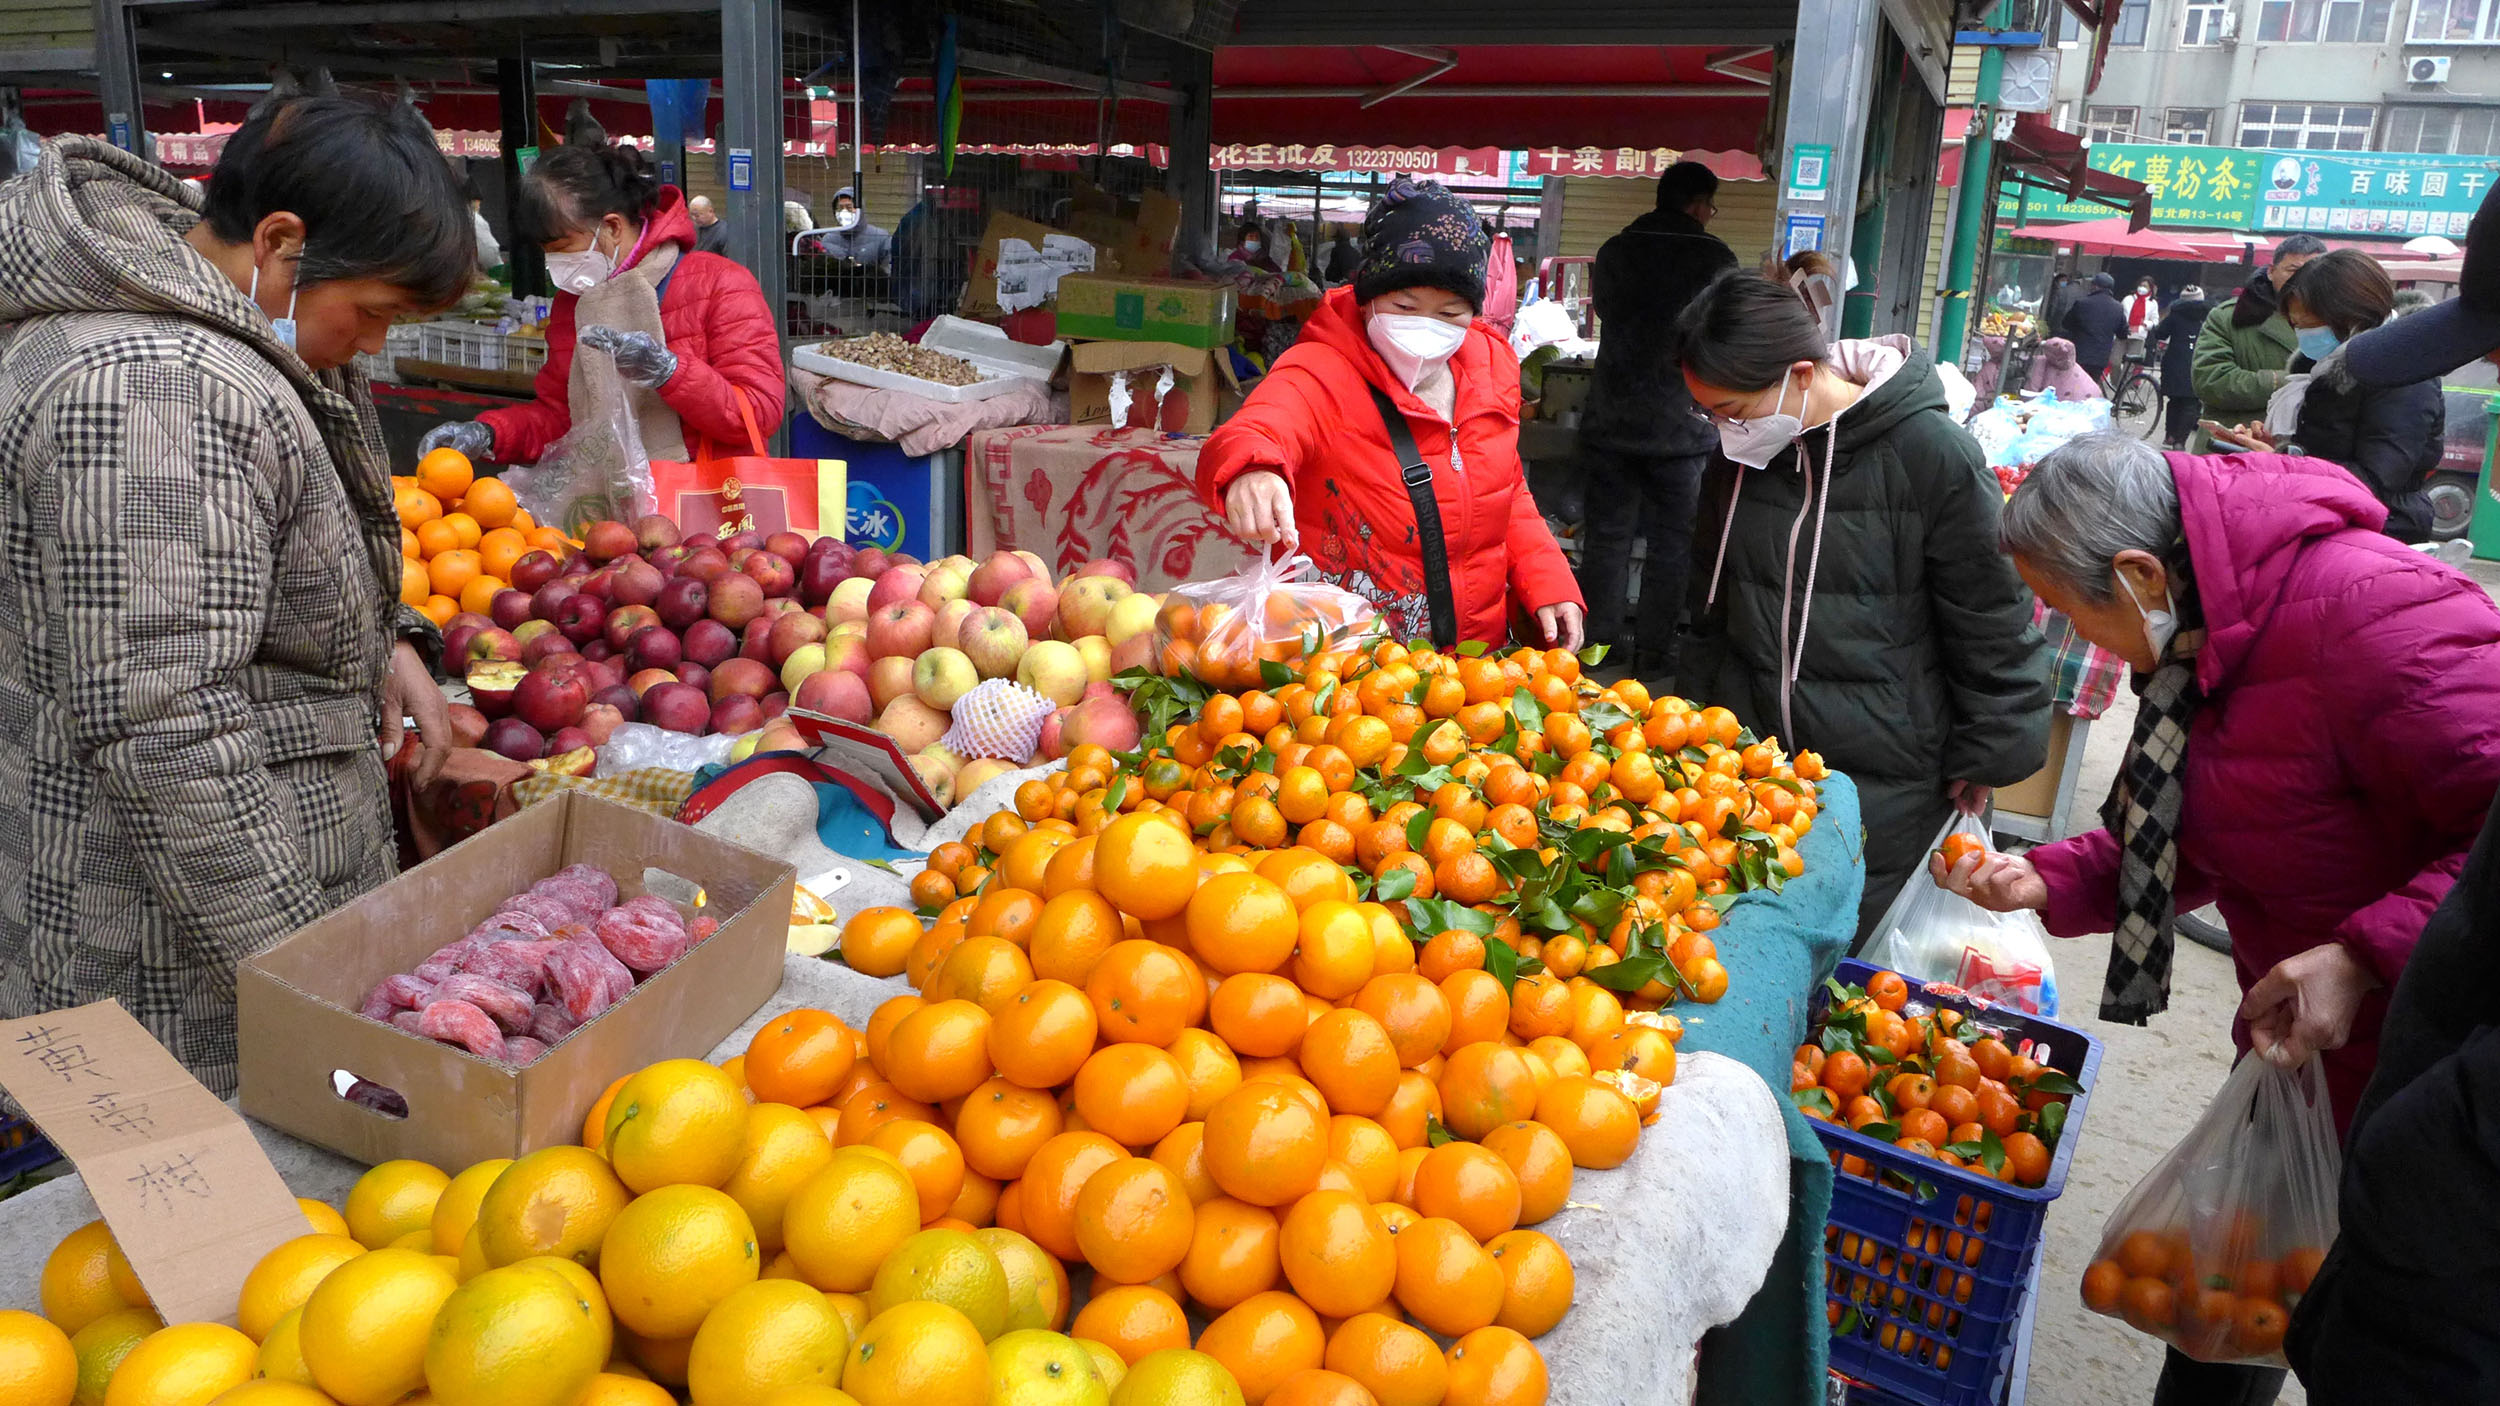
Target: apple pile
<point>702,636</point>
<point>905,641</point>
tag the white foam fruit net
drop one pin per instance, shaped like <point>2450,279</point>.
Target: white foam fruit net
<point>999,718</point>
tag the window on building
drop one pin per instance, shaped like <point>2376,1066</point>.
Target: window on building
<point>2193,126</point>
<point>2334,21</point>
<point>2306,126</point>
<point>2109,124</point>
<point>2288,21</point>
<point>2443,131</point>
<point>2069,28</point>
<point>2203,23</point>
<point>2357,21</point>
<point>2128,29</point>
<point>2454,22</point>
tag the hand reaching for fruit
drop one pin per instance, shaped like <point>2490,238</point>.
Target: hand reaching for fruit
<point>473,440</point>
<point>408,691</point>
<point>2000,883</point>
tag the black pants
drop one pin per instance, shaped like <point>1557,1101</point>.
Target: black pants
<point>1654,498</point>
<point>2179,420</point>
<point>2188,1382</point>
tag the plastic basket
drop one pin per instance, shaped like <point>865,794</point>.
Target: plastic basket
<point>1924,1263</point>
<point>478,345</point>
<point>22,1149</point>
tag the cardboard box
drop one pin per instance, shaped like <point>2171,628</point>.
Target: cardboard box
<point>2036,794</point>
<point>303,1041</point>
<point>189,1195</point>
<point>1203,388</point>
<point>1117,308</point>
<point>1019,265</point>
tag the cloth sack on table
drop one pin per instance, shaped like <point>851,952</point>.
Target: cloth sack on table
<point>916,423</point>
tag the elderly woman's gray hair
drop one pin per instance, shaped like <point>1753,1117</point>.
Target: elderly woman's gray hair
<point>2090,499</point>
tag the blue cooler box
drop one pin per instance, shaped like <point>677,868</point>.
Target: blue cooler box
<point>901,502</point>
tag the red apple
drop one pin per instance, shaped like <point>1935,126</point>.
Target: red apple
<point>545,645</point>
<point>582,617</point>
<point>694,675</point>
<point>772,572</point>
<point>948,632</point>
<point>889,679</point>
<point>776,704</point>
<point>626,620</point>
<point>836,693</point>
<point>706,563</point>
<point>645,680</point>
<point>468,725</point>
<point>755,641</point>
<point>789,546</point>
<point>509,608</point>
<point>745,676</point>
<point>682,601</point>
<point>994,639</point>
<point>849,653</point>
<point>708,642</point>
<point>600,583</point>
<point>606,541</point>
<point>535,569</point>
<point>653,647</point>
<point>599,651</point>
<point>901,628</point>
<point>1112,567</point>
<point>655,532</point>
<point>1108,723</point>
<point>491,685</point>
<point>636,582</point>
<point>737,715</point>
<point>899,583</point>
<point>736,598</point>
<point>788,632</point>
<point>678,707</point>
<point>487,646</point>
<point>456,638</point>
<point>1035,603</point>
<point>735,542</point>
<point>516,740</point>
<point>991,578</point>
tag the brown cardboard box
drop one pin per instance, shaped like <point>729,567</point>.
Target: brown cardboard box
<point>1119,308</point>
<point>981,299</point>
<point>2036,794</point>
<point>1203,390</point>
<point>189,1195</point>
<point>302,1040</point>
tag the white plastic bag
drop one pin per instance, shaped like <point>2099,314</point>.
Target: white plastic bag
<point>999,718</point>
<point>634,746</point>
<point>598,472</point>
<point>2283,407</point>
<point>2213,1249</point>
<point>1276,610</point>
<point>1932,934</point>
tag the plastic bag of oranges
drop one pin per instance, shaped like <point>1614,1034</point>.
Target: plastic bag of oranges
<point>2214,1248</point>
<point>1931,933</point>
<point>1270,611</point>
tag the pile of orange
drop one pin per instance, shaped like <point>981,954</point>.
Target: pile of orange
<point>1221,646</point>
<point>1905,1076</point>
<point>2229,1302</point>
<point>1568,828</point>
<point>459,536</point>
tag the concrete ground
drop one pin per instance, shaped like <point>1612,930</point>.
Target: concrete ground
<point>2154,1082</point>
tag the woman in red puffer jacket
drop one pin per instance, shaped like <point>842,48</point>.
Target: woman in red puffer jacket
<point>1308,459</point>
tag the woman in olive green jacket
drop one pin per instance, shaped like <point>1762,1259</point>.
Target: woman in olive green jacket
<point>2245,343</point>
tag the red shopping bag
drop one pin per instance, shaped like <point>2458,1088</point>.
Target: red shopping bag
<point>718,495</point>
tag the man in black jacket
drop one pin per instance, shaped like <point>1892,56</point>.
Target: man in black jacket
<point>2175,334</point>
<point>2094,325</point>
<point>1642,445</point>
<point>2406,1310</point>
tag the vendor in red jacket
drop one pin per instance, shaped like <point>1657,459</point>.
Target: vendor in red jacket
<point>1307,458</point>
<point>688,331</point>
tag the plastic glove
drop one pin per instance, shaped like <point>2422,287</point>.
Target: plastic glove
<point>468,436</point>
<point>640,358</point>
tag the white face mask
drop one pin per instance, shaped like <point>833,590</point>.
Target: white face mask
<point>2159,625</point>
<point>284,327</point>
<point>1412,344</point>
<point>845,219</point>
<point>1755,443</point>
<point>577,273</point>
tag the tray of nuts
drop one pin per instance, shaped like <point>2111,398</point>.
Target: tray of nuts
<point>955,361</point>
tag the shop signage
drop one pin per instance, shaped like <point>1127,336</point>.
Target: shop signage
<point>2190,185</point>
<point>1599,161</point>
<point>1485,163</point>
<point>2222,187</point>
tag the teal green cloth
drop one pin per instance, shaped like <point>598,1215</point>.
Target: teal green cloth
<point>1777,949</point>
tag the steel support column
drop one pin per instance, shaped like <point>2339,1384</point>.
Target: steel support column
<point>1192,179</point>
<point>1831,88</point>
<point>751,148</point>
<point>117,78</point>
<point>1974,199</point>
<point>516,101</point>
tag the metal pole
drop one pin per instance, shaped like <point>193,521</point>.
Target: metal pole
<point>117,78</point>
<point>859,121</point>
<point>516,101</point>
<point>1191,177</point>
<point>1831,85</point>
<point>1974,199</point>
<point>751,136</point>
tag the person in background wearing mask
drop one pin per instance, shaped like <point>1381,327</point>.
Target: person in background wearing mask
<point>2143,312</point>
<point>1641,447</point>
<point>1311,459</point>
<point>2175,334</point>
<point>1344,257</point>
<point>2095,324</point>
<point>202,632</point>
<point>1250,247</point>
<point>1855,602</point>
<point>2389,437</point>
<point>2301,681</point>
<point>853,238</point>
<point>489,253</point>
<point>2245,343</point>
<point>690,333</point>
<point>711,234</point>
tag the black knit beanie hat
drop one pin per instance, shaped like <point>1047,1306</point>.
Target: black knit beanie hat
<point>1419,235</point>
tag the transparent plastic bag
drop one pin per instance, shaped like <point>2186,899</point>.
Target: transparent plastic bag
<point>2213,1249</point>
<point>599,471</point>
<point>634,746</point>
<point>1932,934</point>
<point>1270,611</point>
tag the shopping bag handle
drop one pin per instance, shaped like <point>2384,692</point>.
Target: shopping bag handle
<point>746,416</point>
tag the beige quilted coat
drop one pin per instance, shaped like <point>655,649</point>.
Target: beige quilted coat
<point>199,568</point>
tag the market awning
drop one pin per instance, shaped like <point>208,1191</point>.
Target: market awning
<point>2038,153</point>
<point>2113,236</point>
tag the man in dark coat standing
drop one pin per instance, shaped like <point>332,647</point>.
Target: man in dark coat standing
<point>2094,325</point>
<point>2175,334</point>
<point>1641,443</point>
<point>2062,295</point>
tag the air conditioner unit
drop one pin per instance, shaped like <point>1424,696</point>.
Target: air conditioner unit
<point>2427,69</point>
<point>2230,33</point>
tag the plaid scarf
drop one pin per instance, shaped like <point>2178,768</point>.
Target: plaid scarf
<point>2143,812</point>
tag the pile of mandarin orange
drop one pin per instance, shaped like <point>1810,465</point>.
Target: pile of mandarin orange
<point>1302,1014</point>
<point>460,535</point>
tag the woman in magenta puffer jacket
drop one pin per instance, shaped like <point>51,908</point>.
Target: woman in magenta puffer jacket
<point>2317,741</point>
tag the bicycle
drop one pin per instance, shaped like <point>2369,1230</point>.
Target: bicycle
<point>2135,398</point>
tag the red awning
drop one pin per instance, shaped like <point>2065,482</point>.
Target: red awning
<point>2039,152</point>
<point>2112,236</point>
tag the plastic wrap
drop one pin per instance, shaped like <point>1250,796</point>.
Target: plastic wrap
<point>1933,934</point>
<point>1270,611</point>
<point>634,746</point>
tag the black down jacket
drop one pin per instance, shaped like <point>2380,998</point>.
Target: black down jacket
<point>1920,663</point>
<point>1644,276</point>
<point>2176,332</point>
<point>2389,437</point>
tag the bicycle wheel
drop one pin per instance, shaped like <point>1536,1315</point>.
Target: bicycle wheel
<point>2137,406</point>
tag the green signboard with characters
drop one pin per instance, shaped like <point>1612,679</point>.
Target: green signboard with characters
<point>2237,188</point>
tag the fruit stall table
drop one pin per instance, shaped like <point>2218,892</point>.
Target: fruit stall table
<point>1073,493</point>
<point>1707,1224</point>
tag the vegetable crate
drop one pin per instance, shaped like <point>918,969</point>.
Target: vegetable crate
<point>22,1149</point>
<point>1925,1263</point>
<point>479,345</point>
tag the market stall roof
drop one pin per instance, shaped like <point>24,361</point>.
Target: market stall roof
<point>2113,236</point>
<point>2038,153</point>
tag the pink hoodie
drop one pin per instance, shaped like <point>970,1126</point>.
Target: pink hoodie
<point>2349,743</point>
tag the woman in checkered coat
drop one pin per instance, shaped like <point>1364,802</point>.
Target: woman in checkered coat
<point>201,636</point>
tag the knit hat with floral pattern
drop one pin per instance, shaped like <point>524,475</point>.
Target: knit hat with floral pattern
<point>1419,235</point>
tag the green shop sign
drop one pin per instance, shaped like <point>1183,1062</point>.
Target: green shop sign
<point>2190,185</point>
<point>2222,187</point>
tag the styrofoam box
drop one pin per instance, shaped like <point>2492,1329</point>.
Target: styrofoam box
<point>1002,360</point>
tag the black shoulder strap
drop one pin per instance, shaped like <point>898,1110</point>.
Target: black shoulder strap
<point>1417,476</point>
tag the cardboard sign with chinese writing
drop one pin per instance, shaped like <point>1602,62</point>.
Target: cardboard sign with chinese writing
<point>188,1193</point>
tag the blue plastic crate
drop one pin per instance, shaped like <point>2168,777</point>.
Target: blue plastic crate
<point>22,1149</point>
<point>1925,1264</point>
